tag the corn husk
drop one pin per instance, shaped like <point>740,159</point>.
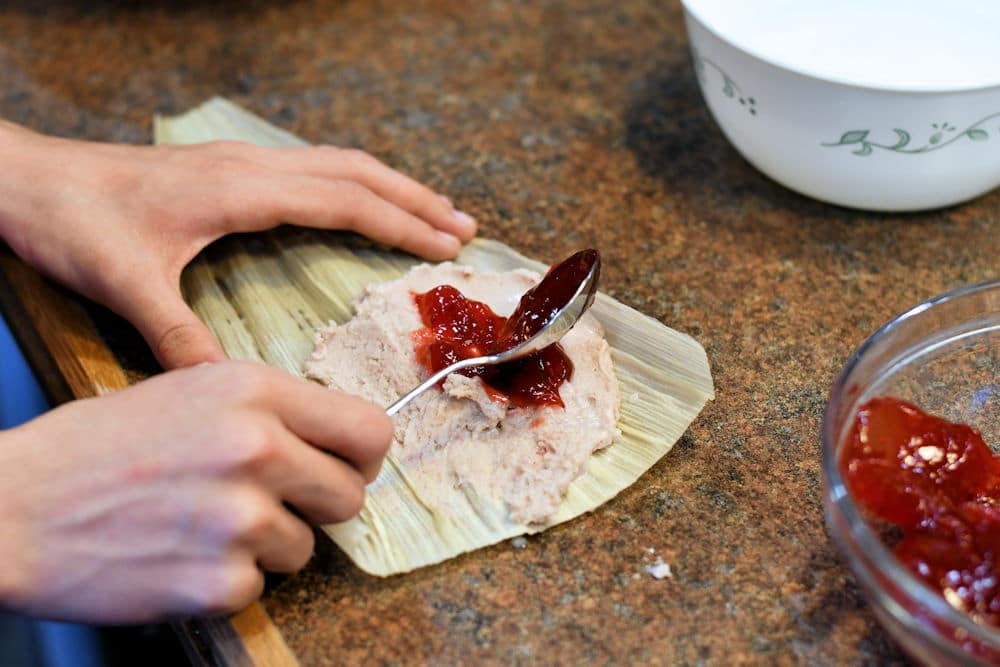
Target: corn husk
<point>265,295</point>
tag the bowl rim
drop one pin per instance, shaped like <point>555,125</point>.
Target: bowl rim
<point>873,551</point>
<point>691,9</point>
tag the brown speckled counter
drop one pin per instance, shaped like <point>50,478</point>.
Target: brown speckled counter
<point>559,125</point>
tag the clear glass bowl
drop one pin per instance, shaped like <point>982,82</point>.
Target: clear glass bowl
<point>943,356</point>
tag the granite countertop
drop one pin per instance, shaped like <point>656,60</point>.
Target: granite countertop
<point>559,125</point>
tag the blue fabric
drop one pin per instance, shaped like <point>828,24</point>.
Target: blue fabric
<point>20,396</point>
<point>23,641</point>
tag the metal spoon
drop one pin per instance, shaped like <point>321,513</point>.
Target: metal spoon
<point>547,333</point>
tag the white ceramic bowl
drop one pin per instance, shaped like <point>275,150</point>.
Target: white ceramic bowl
<point>891,105</point>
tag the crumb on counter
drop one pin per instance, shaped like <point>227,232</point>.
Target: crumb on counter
<point>659,569</point>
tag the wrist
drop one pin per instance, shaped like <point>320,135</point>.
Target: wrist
<point>24,171</point>
<point>16,143</point>
<point>15,542</point>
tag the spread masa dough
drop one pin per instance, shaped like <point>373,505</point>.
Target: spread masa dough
<point>459,440</point>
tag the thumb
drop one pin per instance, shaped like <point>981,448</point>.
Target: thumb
<point>173,332</point>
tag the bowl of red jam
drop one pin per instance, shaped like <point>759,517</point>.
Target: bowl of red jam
<point>911,471</point>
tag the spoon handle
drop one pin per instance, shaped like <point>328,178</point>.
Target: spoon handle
<point>434,379</point>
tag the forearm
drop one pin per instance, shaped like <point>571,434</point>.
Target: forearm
<point>22,174</point>
<point>15,545</point>
<point>8,126</point>
<point>11,140</point>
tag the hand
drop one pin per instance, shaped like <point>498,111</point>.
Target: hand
<point>166,498</point>
<point>119,223</point>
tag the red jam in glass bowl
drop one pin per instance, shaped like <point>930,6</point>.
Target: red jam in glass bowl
<point>940,484</point>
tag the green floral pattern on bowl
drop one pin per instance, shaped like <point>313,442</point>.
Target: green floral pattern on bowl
<point>940,135</point>
<point>729,87</point>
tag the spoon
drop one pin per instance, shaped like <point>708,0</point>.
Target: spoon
<point>544,315</point>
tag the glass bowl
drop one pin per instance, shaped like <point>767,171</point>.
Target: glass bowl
<point>944,356</point>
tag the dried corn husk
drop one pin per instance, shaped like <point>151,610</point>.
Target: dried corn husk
<point>265,295</point>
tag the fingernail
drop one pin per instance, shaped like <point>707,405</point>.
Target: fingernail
<point>450,239</point>
<point>465,219</point>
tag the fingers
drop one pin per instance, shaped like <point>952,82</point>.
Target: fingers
<point>314,448</point>
<point>311,447</point>
<point>326,204</point>
<point>278,540</point>
<point>333,188</point>
<point>354,429</point>
<point>212,586</point>
<point>325,488</point>
<point>333,163</point>
<point>241,583</point>
<point>279,468</point>
<point>410,195</point>
<point>173,332</point>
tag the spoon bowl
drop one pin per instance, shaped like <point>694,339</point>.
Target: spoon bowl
<point>532,331</point>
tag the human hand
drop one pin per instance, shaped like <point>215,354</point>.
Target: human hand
<point>119,223</point>
<point>163,499</point>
